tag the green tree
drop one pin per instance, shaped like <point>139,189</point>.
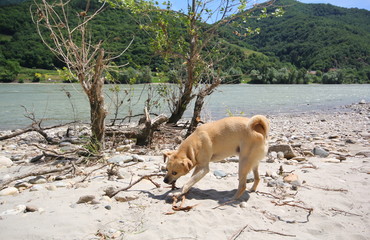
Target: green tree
<point>8,70</point>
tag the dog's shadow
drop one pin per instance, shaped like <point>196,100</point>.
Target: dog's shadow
<point>222,197</point>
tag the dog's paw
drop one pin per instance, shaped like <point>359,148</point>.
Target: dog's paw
<point>177,193</point>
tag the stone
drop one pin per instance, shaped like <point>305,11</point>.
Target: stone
<point>320,152</point>
<point>5,162</point>
<point>18,209</point>
<point>138,158</point>
<point>51,187</point>
<point>299,159</point>
<point>64,144</point>
<point>86,199</point>
<point>219,173</point>
<point>120,159</point>
<point>273,155</point>
<point>23,185</point>
<point>31,208</point>
<point>291,178</point>
<point>108,207</point>
<point>280,155</point>
<point>243,205</point>
<point>35,188</point>
<point>123,148</point>
<point>268,173</point>
<point>125,197</point>
<point>363,153</point>
<point>250,177</point>
<point>308,153</point>
<point>9,191</point>
<point>350,141</point>
<point>285,148</point>
<point>362,101</point>
<point>38,180</point>
<point>17,157</point>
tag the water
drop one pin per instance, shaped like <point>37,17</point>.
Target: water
<point>50,101</point>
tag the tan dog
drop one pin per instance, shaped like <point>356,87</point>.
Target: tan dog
<point>215,141</point>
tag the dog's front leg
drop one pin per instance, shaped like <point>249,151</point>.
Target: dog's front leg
<point>199,173</point>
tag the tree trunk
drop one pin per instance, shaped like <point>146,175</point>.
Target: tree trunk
<point>97,109</point>
<point>199,102</point>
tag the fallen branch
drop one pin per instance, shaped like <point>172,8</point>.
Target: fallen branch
<point>268,194</point>
<point>237,234</point>
<point>38,173</point>
<point>328,189</point>
<point>134,183</point>
<point>87,175</point>
<point>310,210</point>
<point>345,212</point>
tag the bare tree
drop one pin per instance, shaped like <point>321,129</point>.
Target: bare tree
<point>66,34</point>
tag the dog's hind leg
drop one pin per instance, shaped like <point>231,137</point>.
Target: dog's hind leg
<point>256,179</point>
<point>245,166</point>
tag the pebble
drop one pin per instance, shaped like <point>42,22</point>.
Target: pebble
<point>51,187</point>
<point>5,162</point>
<point>120,159</point>
<point>23,185</point>
<point>243,205</point>
<point>363,153</point>
<point>137,158</point>
<point>108,207</point>
<point>280,155</point>
<point>291,178</point>
<point>85,199</point>
<point>9,191</point>
<point>35,188</point>
<point>31,208</point>
<point>250,177</point>
<point>299,159</point>
<point>320,152</point>
<point>285,148</point>
<point>123,148</point>
<point>38,180</point>
<point>219,173</point>
<point>125,197</point>
<point>18,209</point>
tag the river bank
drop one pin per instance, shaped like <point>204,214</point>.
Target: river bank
<point>314,185</point>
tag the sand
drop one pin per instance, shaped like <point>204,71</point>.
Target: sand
<point>329,200</point>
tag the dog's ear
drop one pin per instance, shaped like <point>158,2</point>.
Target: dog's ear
<point>188,164</point>
<point>167,155</point>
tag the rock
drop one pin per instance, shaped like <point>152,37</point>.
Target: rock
<point>23,185</point>
<point>5,162</point>
<point>362,101</point>
<point>219,173</point>
<point>9,191</point>
<point>291,178</point>
<point>341,157</point>
<point>85,199</point>
<point>65,144</point>
<point>17,157</point>
<point>268,173</point>
<point>299,159</point>
<point>31,208</point>
<point>18,209</point>
<point>273,155</point>
<point>276,183</point>
<point>35,188</point>
<point>363,153</point>
<point>333,137</point>
<point>38,180</point>
<point>250,177</point>
<point>125,197</point>
<point>320,152</point>
<point>108,207</point>
<point>51,187</point>
<point>280,155</point>
<point>308,153</point>
<point>285,148</point>
<point>350,141</point>
<point>138,158</point>
<point>123,148</point>
<point>120,159</point>
<point>243,205</point>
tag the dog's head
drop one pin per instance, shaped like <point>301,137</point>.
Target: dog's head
<point>177,166</point>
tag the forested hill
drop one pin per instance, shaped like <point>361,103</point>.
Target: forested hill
<point>331,42</point>
<point>313,36</point>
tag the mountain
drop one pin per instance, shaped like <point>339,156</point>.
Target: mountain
<point>319,38</point>
<point>312,36</point>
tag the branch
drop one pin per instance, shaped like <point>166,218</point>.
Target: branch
<point>136,182</point>
<point>37,173</point>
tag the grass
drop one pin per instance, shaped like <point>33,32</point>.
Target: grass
<point>27,74</point>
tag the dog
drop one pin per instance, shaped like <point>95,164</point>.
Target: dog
<point>216,141</point>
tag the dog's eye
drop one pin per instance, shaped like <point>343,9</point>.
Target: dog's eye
<point>174,173</point>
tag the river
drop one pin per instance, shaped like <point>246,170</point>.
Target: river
<point>50,101</point>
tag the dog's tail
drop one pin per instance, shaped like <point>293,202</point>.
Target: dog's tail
<point>259,125</point>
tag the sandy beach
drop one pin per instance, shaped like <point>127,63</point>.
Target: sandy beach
<point>314,185</point>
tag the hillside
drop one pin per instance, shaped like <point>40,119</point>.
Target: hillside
<point>313,36</point>
<point>308,37</point>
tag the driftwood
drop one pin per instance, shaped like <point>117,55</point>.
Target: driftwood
<point>112,194</point>
<point>36,173</point>
<point>143,133</point>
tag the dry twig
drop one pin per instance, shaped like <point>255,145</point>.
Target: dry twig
<point>345,212</point>
<point>237,234</point>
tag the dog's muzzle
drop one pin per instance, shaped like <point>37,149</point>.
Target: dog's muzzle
<point>168,181</point>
